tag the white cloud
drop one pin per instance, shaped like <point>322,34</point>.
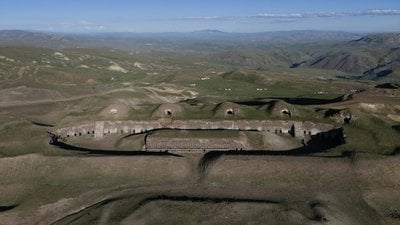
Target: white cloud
<point>281,15</point>
<point>201,17</point>
<point>382,12</point>
<point>88,26</point>
<point>82,25</point>
<point>372,12</point>
<point>378,12</point>
<point>209,18</point>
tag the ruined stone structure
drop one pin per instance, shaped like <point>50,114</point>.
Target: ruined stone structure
<point>100,128</point>
<point>97,130</point>
<point>196,144</point>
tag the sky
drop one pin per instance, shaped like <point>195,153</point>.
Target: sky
<point>190,15</point>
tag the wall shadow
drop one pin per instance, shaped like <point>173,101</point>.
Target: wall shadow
<point>316,144</point>
<point>104,152</point>
<point>41,124</point>
<point>294,101</point>
<point>184,198</point>
<point>4,208</point>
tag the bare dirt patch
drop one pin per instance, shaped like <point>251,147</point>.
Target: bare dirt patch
<point>115,67</point>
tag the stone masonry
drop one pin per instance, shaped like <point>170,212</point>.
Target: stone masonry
<point>100,128</point>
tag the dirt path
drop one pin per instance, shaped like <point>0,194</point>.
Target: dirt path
<point>157,94</point>
<point>44,101</point>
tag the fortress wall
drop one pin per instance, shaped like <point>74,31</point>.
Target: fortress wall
<point>311,128</point>
<point>130,127</point>
<point>299,130</point>
<point>100,128</point>
<point>259,125</point>
<point>203,124</point>
<point>157,143</point>
<point>84,129</point>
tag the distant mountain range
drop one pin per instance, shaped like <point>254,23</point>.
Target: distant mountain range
<point>389,39</point>
<point>373,56</point>
<point>60,40</point>
<point>38,39</point>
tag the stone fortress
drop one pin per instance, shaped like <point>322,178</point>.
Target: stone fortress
<point>99,129</point>
<point>164,119</point>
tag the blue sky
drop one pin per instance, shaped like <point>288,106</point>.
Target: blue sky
<point>190,15</point>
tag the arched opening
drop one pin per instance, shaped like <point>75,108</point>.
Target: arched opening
<point>168,112</point>
<point>122,131</point>
<point>286,112</point>
<point>75,134</point>
<point>113,111</point>
<point>347,119</point>
<point>88,132</point>
<point>229,112</point>
<point>292,131</point>
<point>67,135</point>
<point>80,134</point>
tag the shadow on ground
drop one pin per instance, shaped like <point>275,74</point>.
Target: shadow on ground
<point>4,208</point>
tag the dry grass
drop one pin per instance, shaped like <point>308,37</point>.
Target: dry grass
<point>305,189</point>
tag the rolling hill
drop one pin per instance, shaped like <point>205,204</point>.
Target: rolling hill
<point>371,57</point>
<point>37,39</point>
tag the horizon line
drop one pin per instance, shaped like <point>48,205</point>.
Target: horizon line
<point>193,31</point>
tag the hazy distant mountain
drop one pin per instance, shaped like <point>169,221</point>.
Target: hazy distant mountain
<point>306,36</point>
<point>123,40</point>
<point>392,39</point>
<point>209,31</point>
<point>18,37</point>
<point>388,66</point>
<point>372,57</point>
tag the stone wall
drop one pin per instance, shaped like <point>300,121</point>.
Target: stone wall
<point>84,129</point>
<point>187,144</point>
<point>100,128</point>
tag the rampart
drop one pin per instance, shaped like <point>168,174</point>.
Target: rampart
<point>187,144</point>
<point>98,129</point>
